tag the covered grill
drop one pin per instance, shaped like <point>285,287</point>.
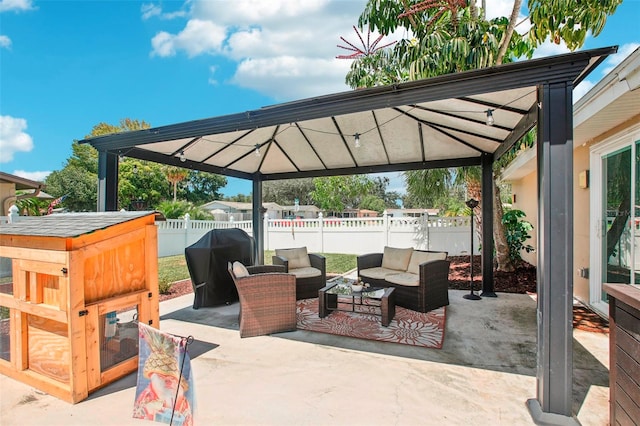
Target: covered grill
<point>207,262</point>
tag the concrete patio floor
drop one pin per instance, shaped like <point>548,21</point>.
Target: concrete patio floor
<point>483,375</point>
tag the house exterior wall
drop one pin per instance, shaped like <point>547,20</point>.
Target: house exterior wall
<point>581,224</point>
<point>525,191</point>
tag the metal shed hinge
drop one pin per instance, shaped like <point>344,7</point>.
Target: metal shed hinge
<point>83,313</point>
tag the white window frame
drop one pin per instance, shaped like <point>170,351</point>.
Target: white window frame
<point>628,137</point>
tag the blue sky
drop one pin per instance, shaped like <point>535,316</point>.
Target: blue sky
<point>66,66</point>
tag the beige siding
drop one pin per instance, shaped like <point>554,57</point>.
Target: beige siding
<point>581,224</point>
<point>525,191</point>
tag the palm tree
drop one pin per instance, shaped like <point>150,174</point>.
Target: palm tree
<point>175,175</point>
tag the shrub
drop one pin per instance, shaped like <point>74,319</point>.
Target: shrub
<point>517,232</point>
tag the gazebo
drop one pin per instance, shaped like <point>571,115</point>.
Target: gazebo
<point>463,119</point>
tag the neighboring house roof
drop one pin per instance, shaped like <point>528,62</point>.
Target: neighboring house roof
<point>612,102</point>
<point>238,206</point>
<point>302,208</point>
<point>432,212</point>
<point>20,182</point>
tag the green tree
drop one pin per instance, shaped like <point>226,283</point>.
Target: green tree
<point>177,210</point>
<point>78,179</point>
<point>202,187</point>
<point>285,192</point>
<point>141,182</point>
<point>239,198</point>
<point>373,202</point>
<point>451,36</point>
<point>389,198</point>
<point>335,193</point>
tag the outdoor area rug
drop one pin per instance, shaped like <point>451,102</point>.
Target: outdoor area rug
<point>408,327</point>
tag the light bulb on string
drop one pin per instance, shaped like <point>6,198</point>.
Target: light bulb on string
<point>356,138</point>
<point>490,119</point>
<point>257,151</point>
<point>182,157</point>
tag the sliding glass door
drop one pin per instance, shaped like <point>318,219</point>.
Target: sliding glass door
<point>616,201</point>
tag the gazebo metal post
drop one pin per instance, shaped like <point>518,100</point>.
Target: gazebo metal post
<point>555,256</point>
<point>256,218</point>
<point>107,181</point>
<point>487,225</point>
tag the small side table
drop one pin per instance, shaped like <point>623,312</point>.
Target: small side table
<point>328,302</point>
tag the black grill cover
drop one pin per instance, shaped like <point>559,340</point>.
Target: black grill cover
<point>207,262</point>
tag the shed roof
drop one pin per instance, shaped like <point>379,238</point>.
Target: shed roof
<point>66,225</point>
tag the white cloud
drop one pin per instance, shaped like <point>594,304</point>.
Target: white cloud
<point>613,60</point>
<point>212,71</point>
<point>548,48</point>
<point>286,77</point>
<point>15,5</point>
<point>38,176</point>
<point>5,41</point>
<point>283,48</point>
<point>149,10</point>
<point>581,89</point>
<point>197,38</point>
<point>13,138</point>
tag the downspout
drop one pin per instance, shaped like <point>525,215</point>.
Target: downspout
<point>12,199</point>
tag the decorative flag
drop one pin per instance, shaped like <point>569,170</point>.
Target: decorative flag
<point>165,385</point>
<point>55,203</point>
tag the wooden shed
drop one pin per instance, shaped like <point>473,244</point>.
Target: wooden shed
<point>72,288</point>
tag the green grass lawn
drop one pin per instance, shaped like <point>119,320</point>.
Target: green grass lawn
<point>174,268</point>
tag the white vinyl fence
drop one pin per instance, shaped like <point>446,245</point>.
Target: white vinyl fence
<point>333,235</point>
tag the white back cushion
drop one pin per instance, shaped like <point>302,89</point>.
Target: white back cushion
<point>297,257</point>
<point>239,270</point>
<point>418,257</point>
<point>396,258</point>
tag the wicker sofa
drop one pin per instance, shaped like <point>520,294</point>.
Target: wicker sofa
<point>310,270</point>
<point>420,278</point>
<point>267,298</point>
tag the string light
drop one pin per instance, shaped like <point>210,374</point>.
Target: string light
<point>357,140</point>
<point>490,119</point>
<point>135,169</point>
<point>182,157</point>
<point>257,151</point>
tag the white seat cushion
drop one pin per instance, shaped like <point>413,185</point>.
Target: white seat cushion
<point>404,278</point>
<point>239,270</point>
<point>396,258</point>
<point>377,273</point>
<point>307,272</point>
<point>418,257</point>
<point>297,257</point>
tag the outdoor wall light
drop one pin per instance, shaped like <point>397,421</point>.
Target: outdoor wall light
<point>490,119</point>
<point>182,157</point>
<point>257,152</point>
<point>356,139</point>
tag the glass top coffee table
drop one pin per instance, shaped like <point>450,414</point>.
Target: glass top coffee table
<point>338,295</point>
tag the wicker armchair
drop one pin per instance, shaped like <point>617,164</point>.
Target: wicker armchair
<point>311,274</point>
<point>431,292</point>
<point>267,300</point>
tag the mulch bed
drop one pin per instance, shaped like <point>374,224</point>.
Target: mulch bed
<point>522,281</point>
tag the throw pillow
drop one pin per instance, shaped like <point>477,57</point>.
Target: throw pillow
<point>396,258</point>
<point>239,270</point>
<point>418,257</point>
<point>297,257</point>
